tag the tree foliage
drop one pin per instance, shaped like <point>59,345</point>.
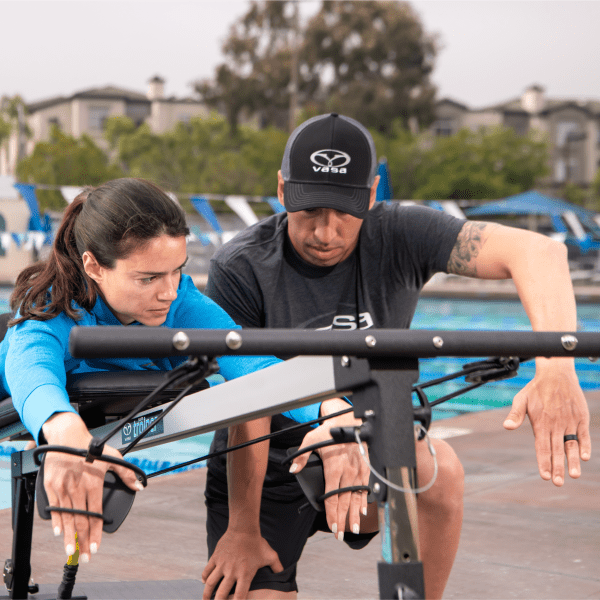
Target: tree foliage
<point>65,160</point>
<point>12,118</point>
<point>201,156</point>
<point>370,60</point>
<point>256,73</point>
<point>484,164</point>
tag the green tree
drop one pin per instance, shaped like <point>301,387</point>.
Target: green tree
<point>256,73</point>
<point>484,164</point>
<point>12,118</point>
<point>404,155</point>
<point>65,160</point>
<point>202,156</point>
<point>5,129</point>
<point>594,199</point>
<point>371,61</point>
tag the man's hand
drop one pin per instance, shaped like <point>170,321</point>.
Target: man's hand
<point>556,407</point>
<point>343,467</point>
<point>236,559</point>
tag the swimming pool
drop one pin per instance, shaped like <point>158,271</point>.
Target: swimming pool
<point>446,314</point>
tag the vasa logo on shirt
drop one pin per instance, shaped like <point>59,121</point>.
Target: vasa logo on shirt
<point>348,322</point>
<point>330,161</point>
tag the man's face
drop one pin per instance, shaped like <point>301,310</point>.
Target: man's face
<point>323,236</point>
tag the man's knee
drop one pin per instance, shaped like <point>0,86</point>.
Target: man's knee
<point>448,489</point>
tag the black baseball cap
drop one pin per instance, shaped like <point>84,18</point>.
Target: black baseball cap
<point>329,162</point>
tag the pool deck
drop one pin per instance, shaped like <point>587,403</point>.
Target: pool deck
<point>521,538</point>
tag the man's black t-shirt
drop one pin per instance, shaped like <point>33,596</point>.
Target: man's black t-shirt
<point>261,281</point>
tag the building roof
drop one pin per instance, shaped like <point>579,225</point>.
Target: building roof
<point>107,92</point>
<point>550,105</point>
<point>453,103</point>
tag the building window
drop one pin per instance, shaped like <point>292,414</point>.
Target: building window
<point>564,129</point>
<point>443,128</point>
<point>54,121</point>
<point>566,171</point>
<point>97,117</point>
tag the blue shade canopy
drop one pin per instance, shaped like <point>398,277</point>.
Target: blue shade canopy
<point>384,189</point>
<point>530,203</point>
<point>534,203</point>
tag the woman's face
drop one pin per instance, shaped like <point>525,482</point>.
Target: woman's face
<point>142,286</point>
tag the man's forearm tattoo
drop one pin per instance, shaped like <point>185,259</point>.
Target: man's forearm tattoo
<point>469,242</point>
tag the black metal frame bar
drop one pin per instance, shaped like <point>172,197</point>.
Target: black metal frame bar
<point>158,342</point>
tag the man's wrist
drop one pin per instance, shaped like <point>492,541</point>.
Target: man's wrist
<point>561,363</point>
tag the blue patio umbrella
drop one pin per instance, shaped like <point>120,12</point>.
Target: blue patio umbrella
<point>533,202</point>
<point>384,189</point>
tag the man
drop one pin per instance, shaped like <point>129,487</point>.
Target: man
<point>336,261</point>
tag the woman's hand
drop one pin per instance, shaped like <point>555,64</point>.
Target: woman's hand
<point>343,467</point>
<point>70,482</point>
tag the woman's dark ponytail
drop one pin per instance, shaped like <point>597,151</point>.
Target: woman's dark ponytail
<point>41,289</point>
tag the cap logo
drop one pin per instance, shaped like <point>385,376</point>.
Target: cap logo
<point>330,161</point>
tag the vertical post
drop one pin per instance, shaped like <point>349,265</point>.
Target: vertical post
<point>294,68</point>
<point>23,507</point>
<point>387,405</point>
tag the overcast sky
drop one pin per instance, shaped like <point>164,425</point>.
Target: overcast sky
<point>490,50</point>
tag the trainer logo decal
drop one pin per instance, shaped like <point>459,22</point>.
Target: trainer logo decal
<point>132,430</point>
<point>348,322</point>
<point>330,161</point>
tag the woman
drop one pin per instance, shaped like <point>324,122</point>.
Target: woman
<point>117,259</point>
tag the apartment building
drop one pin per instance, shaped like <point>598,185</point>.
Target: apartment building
<point>571,126</point>
<point>87,110</point>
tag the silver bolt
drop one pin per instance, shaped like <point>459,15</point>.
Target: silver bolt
<point>371,341</point>
<point>376,488</point>
<point>345,361</point>
<point>369,413</point>
<point>569,342</point>
<point>438,342</point>
<point>181,341</point>
<point>233,340</point>
<point>592,358</point>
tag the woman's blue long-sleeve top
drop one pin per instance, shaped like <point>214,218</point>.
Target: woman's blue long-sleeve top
<point>35,358</point>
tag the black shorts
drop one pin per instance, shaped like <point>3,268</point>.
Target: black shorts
<point>284,523</point>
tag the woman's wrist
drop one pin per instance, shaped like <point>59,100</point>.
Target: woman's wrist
<point>66,429</point>
<point>333,405</point>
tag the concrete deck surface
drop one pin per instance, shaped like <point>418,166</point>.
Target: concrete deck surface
<point>522,537</point>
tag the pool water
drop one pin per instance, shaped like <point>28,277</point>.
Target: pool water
<point>444,314</point>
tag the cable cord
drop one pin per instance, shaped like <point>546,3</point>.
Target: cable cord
<point>393,485</point>
<point>250,442</point>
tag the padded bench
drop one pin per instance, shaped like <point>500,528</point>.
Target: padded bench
<point>99,397</point>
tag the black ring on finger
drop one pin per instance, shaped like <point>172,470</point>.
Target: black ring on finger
<point>571,437</point>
